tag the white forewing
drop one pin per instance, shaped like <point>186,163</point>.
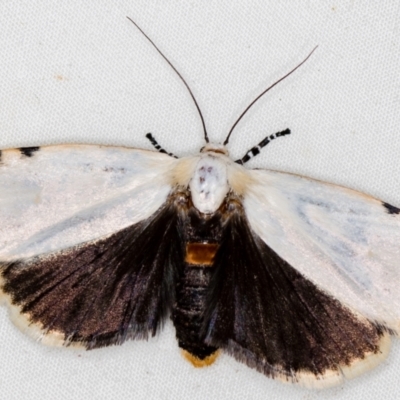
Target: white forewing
<point>346,242</point>
<point>64,195</point>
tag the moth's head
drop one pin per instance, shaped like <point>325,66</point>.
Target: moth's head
<point>215,148</point>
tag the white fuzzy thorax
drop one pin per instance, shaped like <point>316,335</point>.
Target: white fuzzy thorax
<point>209,185</point>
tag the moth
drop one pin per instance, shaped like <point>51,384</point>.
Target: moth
<point>294,277</point>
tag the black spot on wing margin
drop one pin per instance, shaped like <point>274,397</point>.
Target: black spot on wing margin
<point>28,151</point>
<point>391,209</point>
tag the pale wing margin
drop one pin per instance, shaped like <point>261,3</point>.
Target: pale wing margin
<point>346,242</point>
<point>55,197</point>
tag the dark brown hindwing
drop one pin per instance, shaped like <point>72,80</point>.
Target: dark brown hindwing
<point>266,314</point>
<point>107,291</point>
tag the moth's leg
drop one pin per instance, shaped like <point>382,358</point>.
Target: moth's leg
<point>256,149</point>
<point>157,146</point>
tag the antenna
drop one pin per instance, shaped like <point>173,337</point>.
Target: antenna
<point>180,76</point>
<point>265,91</point>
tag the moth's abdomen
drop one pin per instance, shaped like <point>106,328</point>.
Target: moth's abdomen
<point>188,313</point>
<point>202,238</point>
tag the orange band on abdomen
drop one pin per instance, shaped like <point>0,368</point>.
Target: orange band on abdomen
<point>201,253</point>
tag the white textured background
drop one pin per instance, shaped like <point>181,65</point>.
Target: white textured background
<point>79,72</point>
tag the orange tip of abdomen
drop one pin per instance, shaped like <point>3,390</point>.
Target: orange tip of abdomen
<point>198,362</point>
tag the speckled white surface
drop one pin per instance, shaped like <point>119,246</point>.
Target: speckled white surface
<point>79,72</point>
<point>67,195</point>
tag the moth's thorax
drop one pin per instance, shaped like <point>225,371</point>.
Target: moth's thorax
<point>209,184</point>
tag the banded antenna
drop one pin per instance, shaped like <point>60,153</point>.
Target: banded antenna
<point>180,76</point>
<point>262,94</point>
